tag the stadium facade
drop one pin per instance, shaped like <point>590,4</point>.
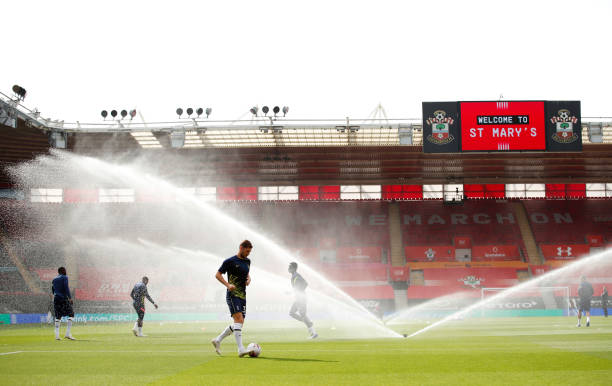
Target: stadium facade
<point>359,200</point>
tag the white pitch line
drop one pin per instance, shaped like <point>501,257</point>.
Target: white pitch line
<point>112,351</point>
<point>9,353</point>
<point>188,352</point>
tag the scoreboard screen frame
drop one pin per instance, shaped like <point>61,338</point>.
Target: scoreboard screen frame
<point>488,126</point>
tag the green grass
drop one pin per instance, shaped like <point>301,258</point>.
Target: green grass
<point>470,352</point>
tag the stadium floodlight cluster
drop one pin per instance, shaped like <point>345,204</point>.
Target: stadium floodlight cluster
<point>20,92</point>
<point>124,114</point>
<point>199,111</point>
<point>276,110</point>
<point>259,131</point>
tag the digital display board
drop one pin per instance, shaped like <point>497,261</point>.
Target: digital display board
<point>503,125</point>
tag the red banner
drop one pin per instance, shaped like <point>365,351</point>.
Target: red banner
<point>81,195</point>
<point>108,284</point>
<point>399,273</point>
<point>564,251</point>
<point>327,243</point>
<point>430,253</point>
<point>495,252</point>
<point>470,277</point>
<point>359,254</point>
<point>46,274</point>
<point>105,284</point>
<point>370,292</point>
<point>462,242</point>
<point>537,270</point>
<point>308,254</point>
<point>595,240</point>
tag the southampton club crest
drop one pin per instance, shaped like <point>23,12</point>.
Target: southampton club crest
<point>440,128</point>
<point>565,127</point>
<point>430,254</point>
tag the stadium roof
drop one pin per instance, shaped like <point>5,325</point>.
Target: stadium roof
<point>264,151</point>
<point>266,131</point>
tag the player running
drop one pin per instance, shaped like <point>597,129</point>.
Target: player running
<point>585,293</point>
<point>237,268</point>
<point>139,293</point>
<point>62,302</point>
<point>298,309</point>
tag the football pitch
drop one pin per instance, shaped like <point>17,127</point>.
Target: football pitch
<point>465,352</point>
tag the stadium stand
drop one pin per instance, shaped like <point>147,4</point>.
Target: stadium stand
<point>374,243</point>
<point>566,229</point>
<point>356,258</point>
<point>486,230</point>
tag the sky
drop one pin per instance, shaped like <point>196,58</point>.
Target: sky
<point>324,59</point>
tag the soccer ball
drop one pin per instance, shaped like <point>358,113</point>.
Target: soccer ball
<point>254,350</point>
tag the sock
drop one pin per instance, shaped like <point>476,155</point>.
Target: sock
<point>135,325</point>
<point>139,330</point>
<point>311,330</point>
<point>238,335</point>
<point>588,319</point>
<point>57,326</point>
<point>227,332</point>
<point>69,323</point>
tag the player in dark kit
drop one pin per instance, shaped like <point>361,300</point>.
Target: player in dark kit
<point>298,309</point>
<point>585,293</point>
<point>604,301</point>
<point>238,278</point>
<point>139,293</point>
<point>62,302</point>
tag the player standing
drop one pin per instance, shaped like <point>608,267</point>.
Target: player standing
<point>604,301</point>
<point>237,268</point>
<point>298,309</point>
<point>139,293</point>
<point>585,293</point>
<point>62,302</point>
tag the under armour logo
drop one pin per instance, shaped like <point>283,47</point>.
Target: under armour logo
<point>567,251</point>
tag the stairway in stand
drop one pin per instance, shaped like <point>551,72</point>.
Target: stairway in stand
<point>533,253</point>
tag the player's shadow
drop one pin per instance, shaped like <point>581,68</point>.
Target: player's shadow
<point>294,359</point>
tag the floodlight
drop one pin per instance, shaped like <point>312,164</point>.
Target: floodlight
<point>276,110</point>
<point>179,112</point>
<point>19,91</point>
<point>104,114</point>
<point>189,111</point>
<point>123,113</point>
<point>199,111</point>
<point>114,113</point>
<point>208,111</point>
<point>254,110</point>
<point>132,113</point>
<point>285,110</point>
<point>265,110</point>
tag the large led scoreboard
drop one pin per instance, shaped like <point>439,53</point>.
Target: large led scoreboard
<point>501,126</point>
